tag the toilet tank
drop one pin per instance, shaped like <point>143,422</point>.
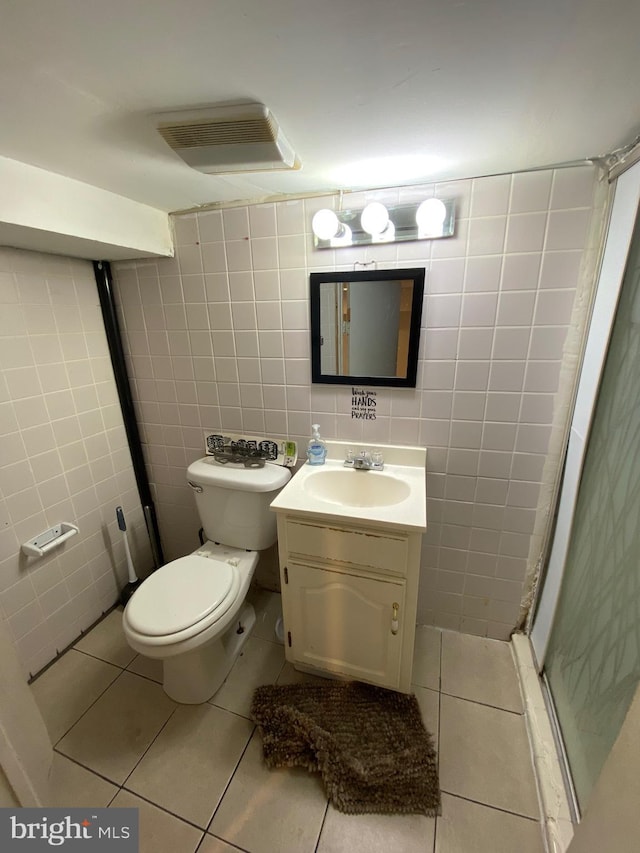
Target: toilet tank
<point>233,501</point>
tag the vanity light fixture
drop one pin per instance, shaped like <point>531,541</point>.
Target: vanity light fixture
<point>376,223</point>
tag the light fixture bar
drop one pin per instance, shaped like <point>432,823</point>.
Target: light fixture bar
<point>402,226</point>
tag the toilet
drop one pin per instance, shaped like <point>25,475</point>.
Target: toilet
<point>191,613</point>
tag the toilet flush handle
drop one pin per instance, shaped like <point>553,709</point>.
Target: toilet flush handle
<point>195,487</point>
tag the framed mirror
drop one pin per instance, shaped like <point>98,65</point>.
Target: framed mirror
<point>365,327</point>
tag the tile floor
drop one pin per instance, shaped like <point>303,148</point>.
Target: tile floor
<point>196,772</point>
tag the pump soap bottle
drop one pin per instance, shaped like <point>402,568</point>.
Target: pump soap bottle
<point>316,449</point>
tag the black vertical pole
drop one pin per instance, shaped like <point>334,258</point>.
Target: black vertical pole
<point>104,283</point>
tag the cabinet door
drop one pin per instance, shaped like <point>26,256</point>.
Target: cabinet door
<point>344,623</point>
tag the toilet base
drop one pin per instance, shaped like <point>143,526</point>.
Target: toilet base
<point>194,677</point>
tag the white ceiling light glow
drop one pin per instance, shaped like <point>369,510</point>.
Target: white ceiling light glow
<point>388,171</point>
<point>430,220</point>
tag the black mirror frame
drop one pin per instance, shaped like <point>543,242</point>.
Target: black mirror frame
<point>417,275</point>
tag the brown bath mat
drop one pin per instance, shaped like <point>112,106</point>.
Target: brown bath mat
<point>369,744</point>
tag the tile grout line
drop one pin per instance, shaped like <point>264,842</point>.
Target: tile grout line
<point>111,683</point>
<point>104,660</point>
<point>111,801</point>
<point>163,809</point>
<point>217,838</point>
<point>88,769</point>
<point>324,818</point>
<point>234,846</point>
<point>153,740</point>
<point>226,710</point>
<point>140,675</point>
<point>230,780</point>
<point>483,704</point>
<point>111,663</point>
<point>494,808</point>
<point>199,844</point>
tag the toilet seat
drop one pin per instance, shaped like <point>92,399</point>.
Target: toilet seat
<point>165,607</point>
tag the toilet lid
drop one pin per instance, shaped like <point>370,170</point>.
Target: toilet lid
<point>178,595</point>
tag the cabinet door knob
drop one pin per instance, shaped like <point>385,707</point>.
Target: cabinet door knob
<point>394,621</point>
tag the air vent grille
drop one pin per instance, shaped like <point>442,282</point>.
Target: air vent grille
<point>227,139</point>
<point>236,132</point>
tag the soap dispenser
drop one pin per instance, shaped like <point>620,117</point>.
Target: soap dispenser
<point>316,449</point>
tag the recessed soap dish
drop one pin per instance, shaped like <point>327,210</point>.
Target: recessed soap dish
<point>50,539</point>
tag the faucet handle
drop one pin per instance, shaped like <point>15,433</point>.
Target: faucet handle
<point>364,460</point>
<point>377,460</point>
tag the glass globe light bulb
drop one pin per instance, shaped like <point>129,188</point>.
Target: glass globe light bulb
<point>374,218</point>
<point>325,224</point>
<point>430,216</point>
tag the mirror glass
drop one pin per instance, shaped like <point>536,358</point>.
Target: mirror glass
<point>365,326</point>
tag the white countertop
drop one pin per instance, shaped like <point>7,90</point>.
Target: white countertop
<point>404,463</point>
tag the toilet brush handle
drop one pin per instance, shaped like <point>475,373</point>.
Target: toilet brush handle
<point>133,578</point>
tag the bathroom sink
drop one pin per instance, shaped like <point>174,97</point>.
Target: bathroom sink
<point>349,487</point>
<point>393,498</point>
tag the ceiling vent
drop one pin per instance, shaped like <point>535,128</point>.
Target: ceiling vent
<point>223,140</point>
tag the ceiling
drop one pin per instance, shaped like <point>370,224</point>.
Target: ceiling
<point>368,92</point>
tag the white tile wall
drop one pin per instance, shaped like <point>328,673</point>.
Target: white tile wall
<point>218,338</point>
<point>63,455</point>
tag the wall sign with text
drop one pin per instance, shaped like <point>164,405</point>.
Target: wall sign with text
<point>363,404</point>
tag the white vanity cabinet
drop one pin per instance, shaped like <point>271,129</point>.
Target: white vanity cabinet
<point>349,598</point>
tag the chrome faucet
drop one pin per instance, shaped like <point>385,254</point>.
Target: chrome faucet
<point>365,460</point>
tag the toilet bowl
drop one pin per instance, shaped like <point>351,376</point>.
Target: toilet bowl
<point>191,613</point>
